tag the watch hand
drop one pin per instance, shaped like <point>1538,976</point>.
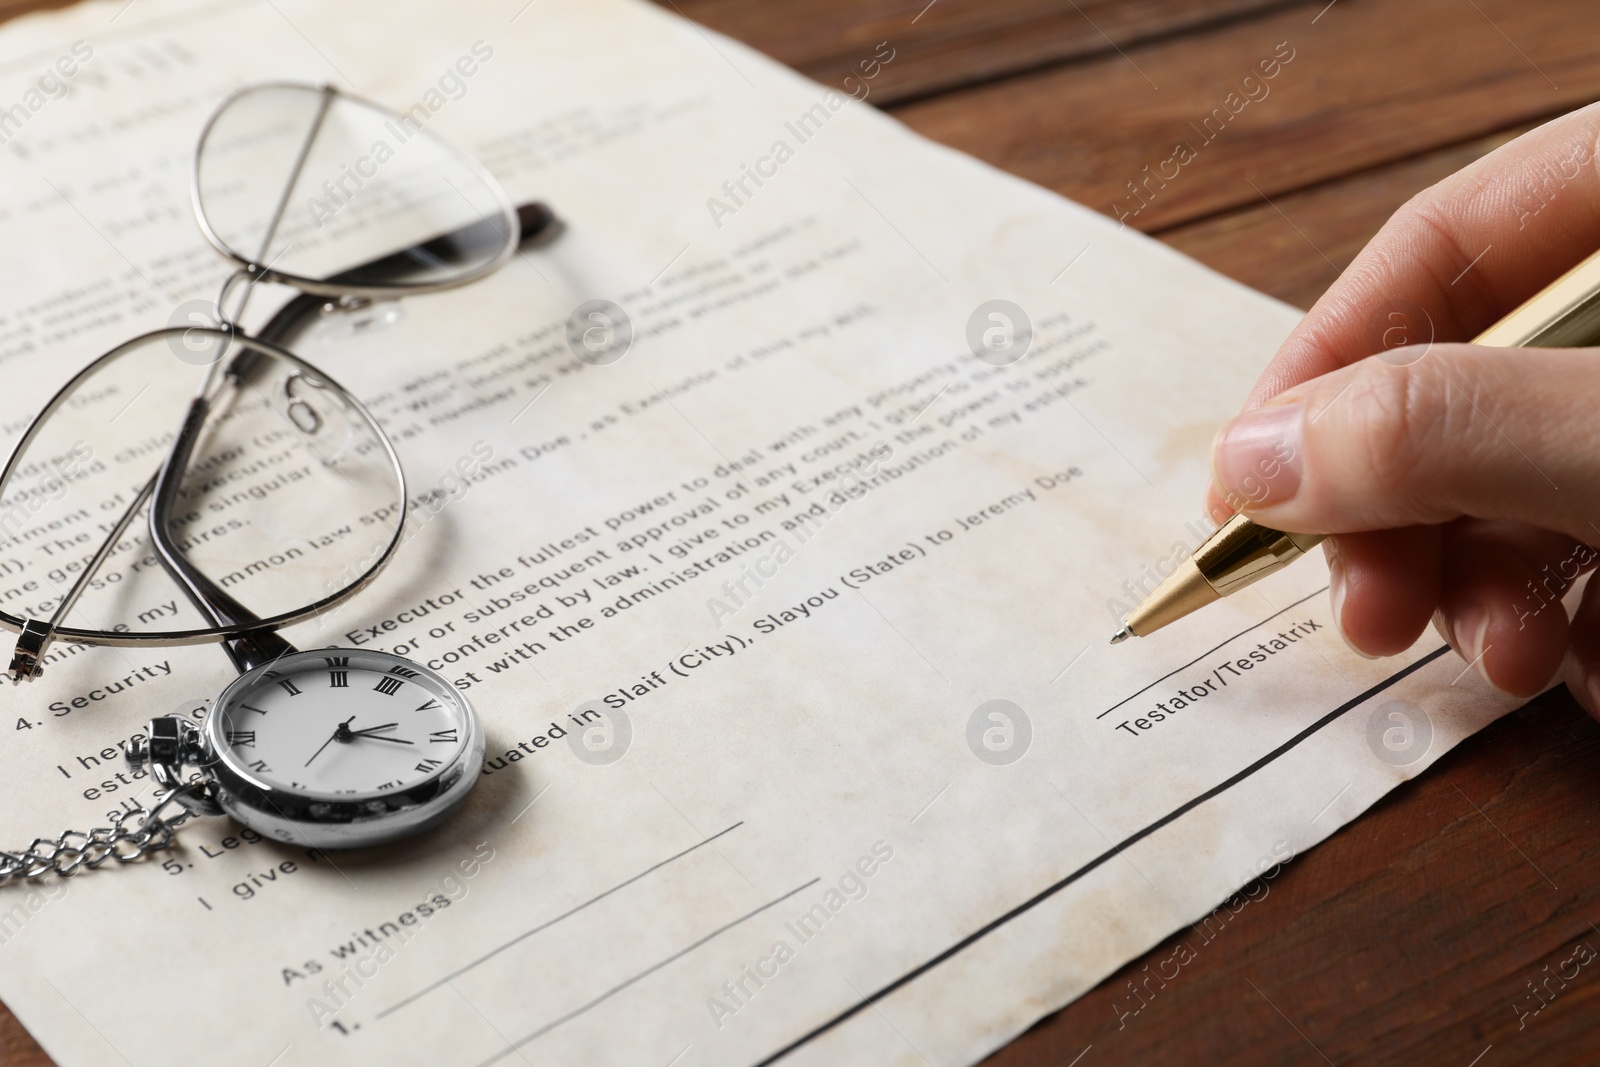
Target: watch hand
<point>342,728</point>
<point>373,729</point>
<point>376,737</point>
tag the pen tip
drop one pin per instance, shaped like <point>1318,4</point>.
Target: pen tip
<point>1121,635</point>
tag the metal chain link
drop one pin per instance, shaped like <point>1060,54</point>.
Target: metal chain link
<point>150,832</point>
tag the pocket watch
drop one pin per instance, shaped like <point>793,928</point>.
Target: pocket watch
<point>331,748</point>
<point>334,748</point>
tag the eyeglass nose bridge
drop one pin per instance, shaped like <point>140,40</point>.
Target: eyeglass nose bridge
<point>238,285</point>
<point>355,316</point>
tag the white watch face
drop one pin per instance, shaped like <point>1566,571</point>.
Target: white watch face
<point>342,724</point>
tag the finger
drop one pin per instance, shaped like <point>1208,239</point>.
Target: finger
<point>1514,640</point>
<point>1215,506</point>
<point>1556,560</point>
<point>1458,255</point>
<point>1581,667</point>
<point>1384,586</point>
<point>1463,431</point>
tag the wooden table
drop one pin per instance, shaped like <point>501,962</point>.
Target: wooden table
<point>1409,937</point>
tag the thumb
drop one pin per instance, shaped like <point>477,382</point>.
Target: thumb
<point>1424,435</point>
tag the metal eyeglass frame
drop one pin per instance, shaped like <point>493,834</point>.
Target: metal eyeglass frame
<point>251,640</point>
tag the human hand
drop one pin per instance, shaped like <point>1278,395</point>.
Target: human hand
<point>1463,482</point>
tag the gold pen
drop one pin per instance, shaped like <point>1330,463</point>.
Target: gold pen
<point>1564,314</point>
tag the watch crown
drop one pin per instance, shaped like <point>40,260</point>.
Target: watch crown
<point>136,753</point>
<point>169,741</point>
<point>169,744</point>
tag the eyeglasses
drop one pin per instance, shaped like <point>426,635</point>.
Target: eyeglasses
<point>273,484</point>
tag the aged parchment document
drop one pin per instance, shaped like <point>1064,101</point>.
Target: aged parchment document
<point>788,625</point>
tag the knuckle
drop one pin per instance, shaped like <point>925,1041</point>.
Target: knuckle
<point>1434,218</point>
<point>1405,411</point>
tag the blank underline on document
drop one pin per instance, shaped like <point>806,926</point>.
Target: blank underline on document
<point>647,972</point>
<point>1209,651</point>
<point>459,971</point>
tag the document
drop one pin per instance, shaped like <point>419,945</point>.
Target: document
<point>783,586</point>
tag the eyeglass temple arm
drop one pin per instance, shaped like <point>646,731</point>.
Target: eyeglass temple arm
<point>36,636</point>
<point>536,222</point>
<point>248,650</point>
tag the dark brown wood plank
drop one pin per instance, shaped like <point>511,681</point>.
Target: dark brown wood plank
<point>1408,938</point>
<point>951,43</point>
<point>1370,83</point>
<point>1295,246</point>
<point>10,9</point>
<point>17,1046</point>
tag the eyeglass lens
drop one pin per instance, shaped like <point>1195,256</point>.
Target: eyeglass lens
<point>310,182</point>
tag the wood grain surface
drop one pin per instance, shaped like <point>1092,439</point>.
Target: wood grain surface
<point>1411,936</point>
<point>952,44</point>
<point>1370,83</point>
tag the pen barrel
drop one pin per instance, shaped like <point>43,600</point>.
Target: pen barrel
<point>1242,552</point>
<point>1564,314</point>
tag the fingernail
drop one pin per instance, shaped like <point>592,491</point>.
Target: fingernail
<point>1471,628</point>
<point>1257,457</point>
<point>1336,591</point>
<point>1219,511</point>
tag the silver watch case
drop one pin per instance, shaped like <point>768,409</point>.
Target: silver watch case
<point>329,821</point>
